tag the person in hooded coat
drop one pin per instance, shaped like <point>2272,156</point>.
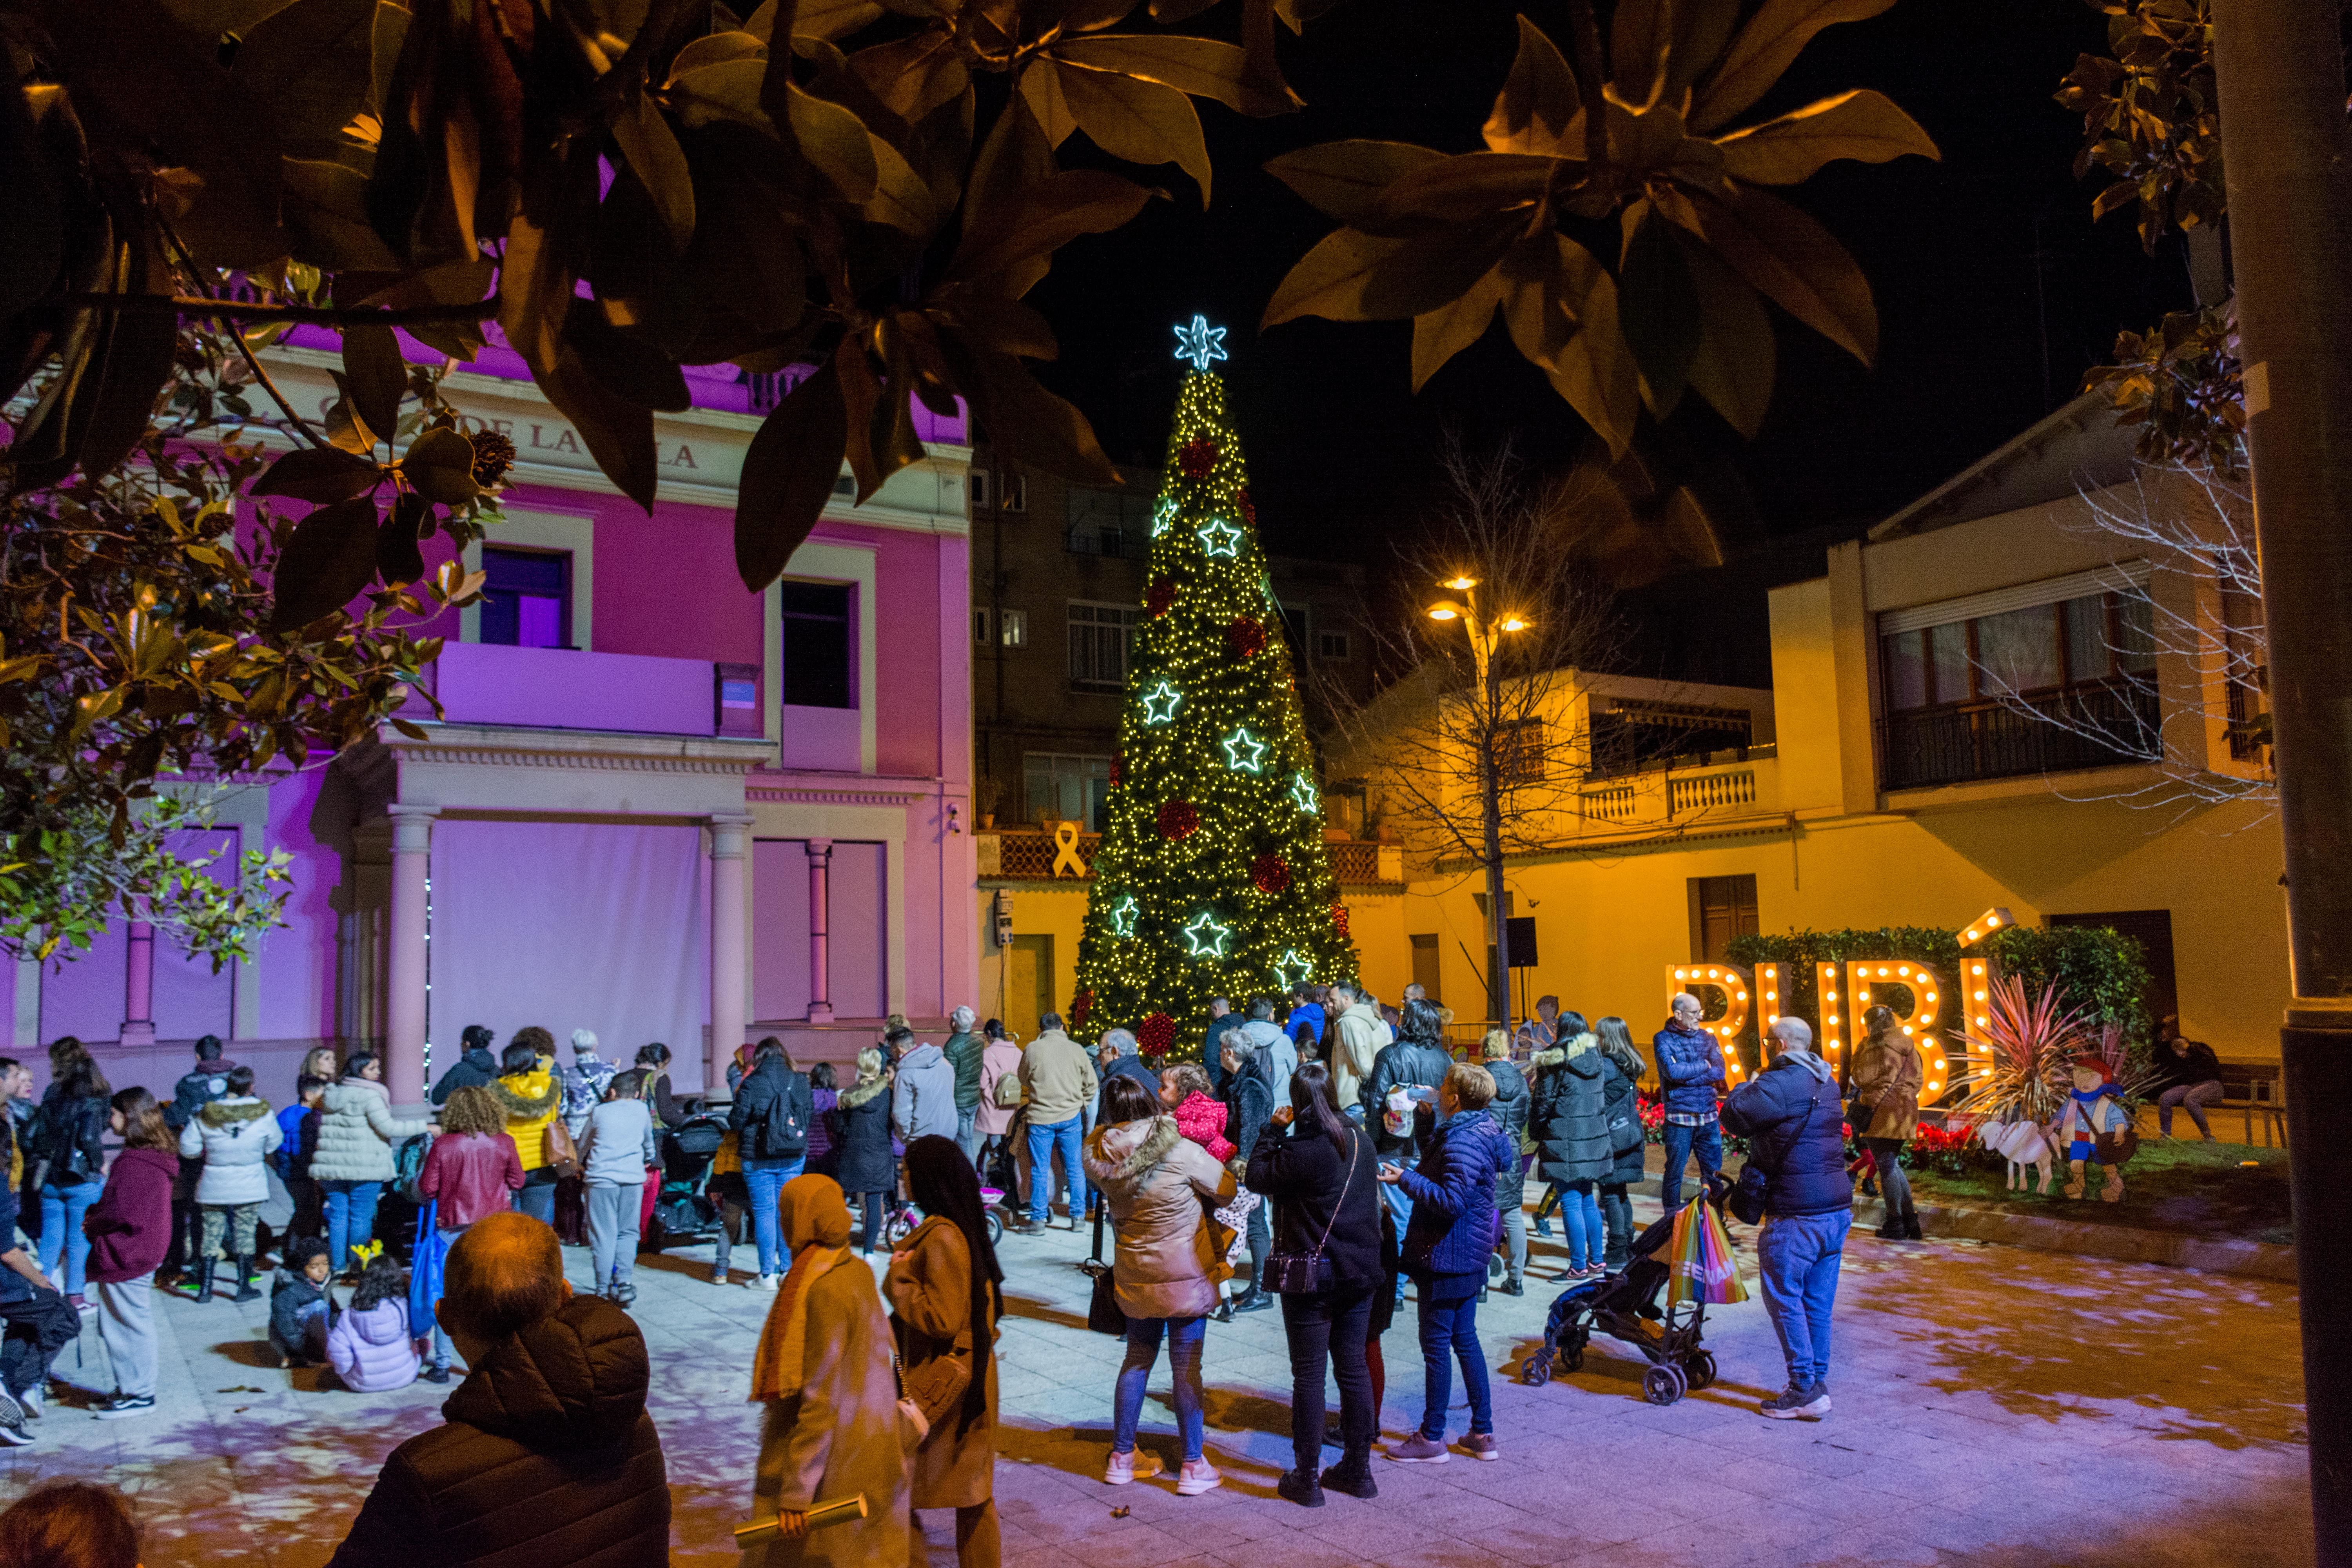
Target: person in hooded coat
<point>1621,1108</point>
<point>867,1169</point>
<point>945,1293</point>
<point>475,1066</point>
<point>1571,1136</point>
<point>831,1426</point>
<point>922,1091</point>
<point>1510,1108</point>
<point>546,1453</point>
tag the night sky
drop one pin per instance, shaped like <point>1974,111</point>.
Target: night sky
<point>1994,288</point>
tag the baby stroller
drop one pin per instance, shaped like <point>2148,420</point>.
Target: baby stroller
<point>1625,1306</point>
<point>683,1213</point>
<point>901,1217</point>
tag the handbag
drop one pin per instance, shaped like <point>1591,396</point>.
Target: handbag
<point>1308,1274</point>
<point>937,1385</point>
<point>557,1151</point>
<point>1747,1196</point>
<point>1104,1314</point>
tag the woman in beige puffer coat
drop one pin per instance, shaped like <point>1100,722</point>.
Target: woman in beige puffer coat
<point>357,1132</point>
<point>1158,1185</point>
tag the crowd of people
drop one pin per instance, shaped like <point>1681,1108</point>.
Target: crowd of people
<point>1326,1154</point>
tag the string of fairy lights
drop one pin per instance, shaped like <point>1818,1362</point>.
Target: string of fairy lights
<point>1213,877</point>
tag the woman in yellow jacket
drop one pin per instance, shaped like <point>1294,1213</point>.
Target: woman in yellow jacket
<point>532,1093</point>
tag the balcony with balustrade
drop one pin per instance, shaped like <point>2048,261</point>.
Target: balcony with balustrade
<point>1033,854</point>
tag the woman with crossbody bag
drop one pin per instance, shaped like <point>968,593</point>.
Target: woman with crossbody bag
<point>945,1291</point>
<point>1317,1170</point>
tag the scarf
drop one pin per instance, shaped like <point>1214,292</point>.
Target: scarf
<point>815,1220</point>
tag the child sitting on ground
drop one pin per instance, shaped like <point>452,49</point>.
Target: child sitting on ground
<point>372,1346</point>
<point>301,1310</point>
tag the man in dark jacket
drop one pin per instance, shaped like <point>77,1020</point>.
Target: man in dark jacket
<point>1795,1126</point>
<point>475,1066</point>
<point>1213,1055</point>
<point>1690,1069</point>
<point>547,1454</point>
<point>963,1050</point>
<point>1116,1056</point>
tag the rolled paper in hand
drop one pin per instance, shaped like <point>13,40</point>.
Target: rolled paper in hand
<point>840,1510</point>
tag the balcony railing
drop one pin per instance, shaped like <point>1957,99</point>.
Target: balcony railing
<point>2086,727</point>
<point>1709,792</point>
<point>1113,540</point>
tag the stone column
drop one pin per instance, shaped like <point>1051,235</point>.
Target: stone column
<point>139,988</point>
<point>407,971</point>
<point>728,1022</point>
<point>820,859</point>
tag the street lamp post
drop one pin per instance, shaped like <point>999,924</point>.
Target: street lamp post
<point>1484,638</point>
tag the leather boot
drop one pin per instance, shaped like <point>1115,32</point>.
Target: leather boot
<point>203,1280</point>
<point>245,1291</point>
<point>1892,1230</point>
<point>1911,1231</point>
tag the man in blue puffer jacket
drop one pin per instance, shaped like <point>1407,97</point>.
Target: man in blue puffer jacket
<point>1796,1133</point>
<point>1445,1250</point>
<point>1690,1069</point>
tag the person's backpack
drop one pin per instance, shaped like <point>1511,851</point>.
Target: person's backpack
<point>1008,1089</point>
<point>408,1163</point>
<point>781,1136</point>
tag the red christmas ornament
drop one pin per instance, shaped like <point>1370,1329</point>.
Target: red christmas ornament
<point>1117,767</point>
<point>1080,1006</point>
<point>1178,819</point>
<point>1248,506</point>
<point>1155,1035</point>
<point>1160,596</point>
<point>1246,636</point>
<point>1270,873</point>
<point>1196,457</point>
<point>1339,919</point>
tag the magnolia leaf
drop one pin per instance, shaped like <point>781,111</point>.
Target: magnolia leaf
<point>1863,125</point>
<point>1043,218</point>
<point>1538,311</point>
<point>375,374</point>
<point>313,65</point>
<point>1201,66</point>
<point>788,476</point>
<point>1357,277</point>
<point>1639,36</point>
<point>832,19</point>
<point>1468,189</point>
<point>439,466</point>
<point>129,364</point>
<point>652,150</point>
<point>1538,100</point>
<point>1772,39</point>
<point>722,90</point>
<point>1264,92</point>
<point>399,558</point>
<point>1438,335</point>
<point>1733,367</point>
<point>1657,308</point>
<point>1031,422</point>
<point>617,431</point>
<point>911,77</point>
<point>326,216</point>
<point>833,141</point>
<point>716,49</point>
<point>626,361</point>
<point>1140,121</point>
<point>998,326</point>
<point>320,474</point>
<point>1595,371</point>
<point>900,199</point>
<point>1343,179</point>
<point>1789,259</point>
<point>1041,90</point>
<point>328,562</point>
<point>1700,30</point>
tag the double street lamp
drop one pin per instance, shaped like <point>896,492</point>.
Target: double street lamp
<point>1487,739</point>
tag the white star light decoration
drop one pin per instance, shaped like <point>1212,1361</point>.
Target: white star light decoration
<point>1122,917</point>
<point>1242,742</point>
<point>1201,343</point>
<point>1219,537</point>
<point>1292,959</point>
<point>1153,699</point>
<point>1162,515</point>
<point>1302,790</point>
<point>1207,936</point>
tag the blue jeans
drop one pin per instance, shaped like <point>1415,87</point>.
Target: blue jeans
<point>968,1134</point>
<point>441,1346</point>
<point>1580,1212</point>
<point>61,1211</point>
<point>1682,1143</point>
<point>1400,1204</point>
<point>1066,1138</point>
<point>351,1217</point>
<point>1450,1328</point>
<point>1185,1336</point>
<point>766,1179</point>
<point>1798,1258</point>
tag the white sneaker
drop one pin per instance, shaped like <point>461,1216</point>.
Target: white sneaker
<point>31,1400</point>
<point>1198,1476</point>
<point>1130,1467</point>
<point>768,1282</point>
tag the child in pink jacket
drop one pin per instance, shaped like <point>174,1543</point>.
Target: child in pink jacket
<point>1200,1116</point>
<point>372,1346</point>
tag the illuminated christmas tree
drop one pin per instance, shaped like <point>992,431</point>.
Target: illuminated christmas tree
<point>1212,879</point>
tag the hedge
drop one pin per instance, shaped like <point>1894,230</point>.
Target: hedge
<point>2101,970</point>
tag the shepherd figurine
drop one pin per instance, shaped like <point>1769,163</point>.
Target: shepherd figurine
<point>2095,1124</point>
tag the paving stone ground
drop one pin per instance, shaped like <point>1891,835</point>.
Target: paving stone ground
<point>1993,1405</point>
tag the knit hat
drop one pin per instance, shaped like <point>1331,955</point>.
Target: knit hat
<point>2095,1065</point>
<point>584,1040</point>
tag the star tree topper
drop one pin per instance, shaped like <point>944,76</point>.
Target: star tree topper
<point>1201,343</point>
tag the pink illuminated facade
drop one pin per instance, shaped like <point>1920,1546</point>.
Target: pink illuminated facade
<point>656,805</point>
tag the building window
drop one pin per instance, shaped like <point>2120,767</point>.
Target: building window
<point>984,492</point>
<point>1332,644</point>
<point>1721,908</point>
<point>980,626</point>
<point>1011,493</point>
<point>819,644</point>
<point>527,601</point>
<point>1630,734</point>
<point>1065,788</point>
<point>1012,627</point>
<point>1294,627</point>
<point>1519,753</point>
<point>2041,688</point>
<point>1102,639</point>
<point>1426,969</point>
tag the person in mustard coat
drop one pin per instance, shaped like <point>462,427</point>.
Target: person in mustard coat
<point>1885,1112</point>
<point>946,1292</point>
<point>530,1091</point>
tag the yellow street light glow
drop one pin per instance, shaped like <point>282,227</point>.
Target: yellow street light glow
<point>1441,614</point>
<point>1514,625</point>
<point>1461,583</point>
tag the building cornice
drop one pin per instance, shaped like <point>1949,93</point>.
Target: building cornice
<point>602,751</point>
<point>819,795</point>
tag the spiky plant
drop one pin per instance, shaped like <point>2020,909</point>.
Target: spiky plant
<point>2137,1080</point>
<point>2020,1059</point>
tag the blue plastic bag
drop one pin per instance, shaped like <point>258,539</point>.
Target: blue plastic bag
<point>424,1265</point>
